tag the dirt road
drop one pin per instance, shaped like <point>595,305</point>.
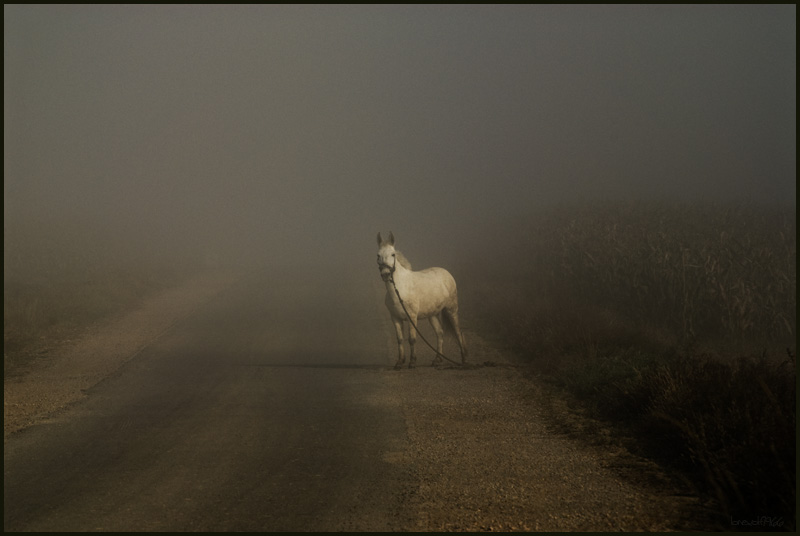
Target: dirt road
<point>271,405</point>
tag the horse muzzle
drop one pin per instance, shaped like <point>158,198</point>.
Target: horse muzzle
<point>386,272</point>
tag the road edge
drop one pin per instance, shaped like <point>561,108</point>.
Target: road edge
<point>49,385</point>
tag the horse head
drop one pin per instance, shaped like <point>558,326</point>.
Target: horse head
<point>387,257</point>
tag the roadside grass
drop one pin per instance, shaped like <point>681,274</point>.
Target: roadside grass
<point>61,277</point>
<point>676,323</point>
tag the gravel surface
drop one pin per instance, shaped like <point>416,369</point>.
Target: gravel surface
<point>487,460</point>
<point>482,449</point>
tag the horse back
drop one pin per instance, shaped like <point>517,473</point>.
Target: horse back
<point>435,289</point>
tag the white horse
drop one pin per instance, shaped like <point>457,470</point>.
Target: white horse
<point>425,294</point>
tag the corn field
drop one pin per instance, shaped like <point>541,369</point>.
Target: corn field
<point>677,321</point>
<point>715,272</point>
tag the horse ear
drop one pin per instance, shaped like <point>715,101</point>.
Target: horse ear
<point>380,240</point>
<point>391,239</point>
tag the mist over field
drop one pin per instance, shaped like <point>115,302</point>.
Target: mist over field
<point>264,134</point>
<point>612,187</point>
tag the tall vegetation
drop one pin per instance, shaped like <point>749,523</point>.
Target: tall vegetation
<point>678,322</point>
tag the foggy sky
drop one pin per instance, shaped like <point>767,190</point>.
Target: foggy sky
<point>294,129</point>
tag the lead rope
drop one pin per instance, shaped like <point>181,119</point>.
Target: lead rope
<point>403,305</point>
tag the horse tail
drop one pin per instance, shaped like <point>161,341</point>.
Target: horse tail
<point>447,324</point>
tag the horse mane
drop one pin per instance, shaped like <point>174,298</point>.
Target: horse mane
<point>402,260</point>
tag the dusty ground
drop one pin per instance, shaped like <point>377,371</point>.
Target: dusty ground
<point>487,460</point>
<point>480,447</point>
<point>62,371</point>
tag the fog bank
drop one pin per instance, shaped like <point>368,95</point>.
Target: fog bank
<point>297,133</point>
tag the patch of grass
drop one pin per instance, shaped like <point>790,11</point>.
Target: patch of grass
<point>732,424</point>
<point>729,425</point>
<point>672,322</point>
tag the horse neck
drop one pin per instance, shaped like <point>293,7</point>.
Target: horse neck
<point>400,271</point>
<point>399,277</point>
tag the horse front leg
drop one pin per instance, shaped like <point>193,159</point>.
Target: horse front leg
<point>401,357</point>
<point>412,340</point>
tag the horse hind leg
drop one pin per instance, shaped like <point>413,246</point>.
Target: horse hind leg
<point>436,323</point>
<point>452,316</point>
